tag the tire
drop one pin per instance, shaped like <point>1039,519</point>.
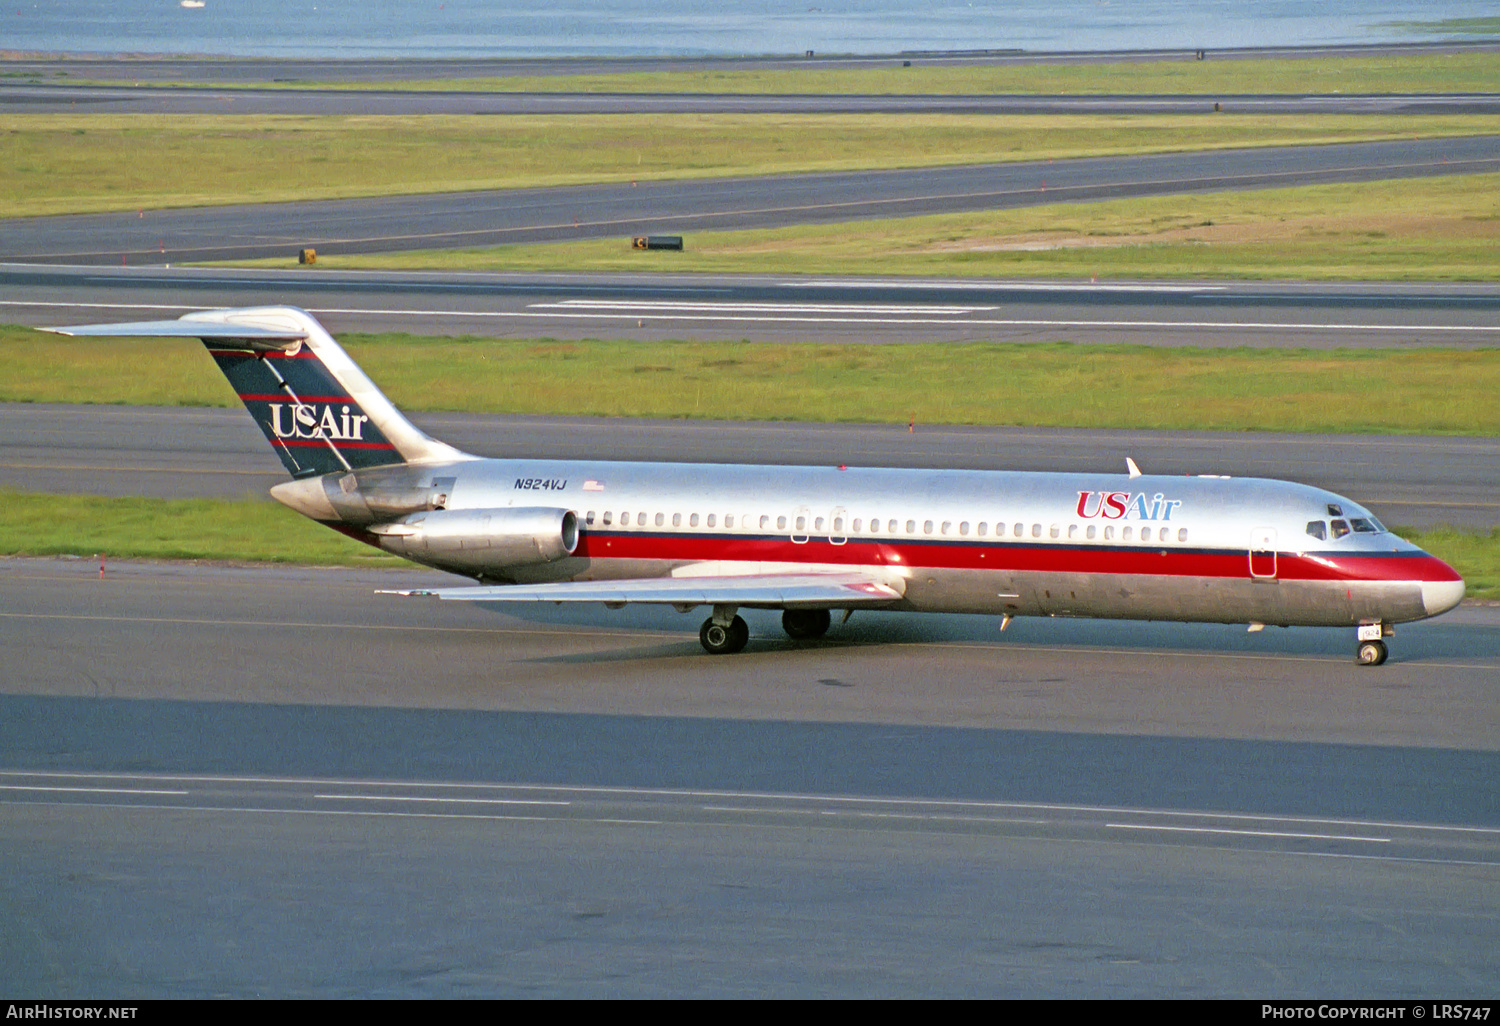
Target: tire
<point>1370,653</point>
<point>805,624</point>
<point>717,640</point>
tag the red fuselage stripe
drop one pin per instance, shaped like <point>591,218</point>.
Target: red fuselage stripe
<point>1119,559</point>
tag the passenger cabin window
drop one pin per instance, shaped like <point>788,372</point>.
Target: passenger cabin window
<point>1340,528</point>
<point>607,515</point>
<point>1020,531</point>
<point>781,523</point>
<point>1126,533</point>
<point>1109,532</point>
<point>588,518</point>
<point>963,527</point>
<point>693,520</point>
<point>1317,529</point>
<point>1182,534</point>
<point>1054,531</point>
<point>1036,530</point>
<point>911,527</point>
<point>712,519</point>
<point>1093,529</point>
<point>676,519</point>
<point>984,528</point>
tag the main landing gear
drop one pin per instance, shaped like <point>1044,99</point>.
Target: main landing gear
<point>725,633</point>
<point>805,624</point>
<point>1372,650</point>
<point>723,638</point>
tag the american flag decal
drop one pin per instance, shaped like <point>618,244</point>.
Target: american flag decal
<point>593,486</point>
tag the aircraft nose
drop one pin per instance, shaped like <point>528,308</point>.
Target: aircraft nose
<point>1441,596</point>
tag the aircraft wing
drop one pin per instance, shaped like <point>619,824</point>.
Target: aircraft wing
<point>766,591</point>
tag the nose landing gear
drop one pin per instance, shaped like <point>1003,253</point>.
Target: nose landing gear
<point>1372,650</point>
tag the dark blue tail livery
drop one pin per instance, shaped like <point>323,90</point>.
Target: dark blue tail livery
<point>318,410</point>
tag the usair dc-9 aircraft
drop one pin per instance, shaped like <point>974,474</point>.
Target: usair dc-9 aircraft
<point>805,540</point>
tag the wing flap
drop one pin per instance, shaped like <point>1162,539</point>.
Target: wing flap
<point>771,591</point>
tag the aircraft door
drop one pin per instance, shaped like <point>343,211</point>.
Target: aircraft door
<point>838,531</point>
<point>801,525</point>
<point>1263,553</point>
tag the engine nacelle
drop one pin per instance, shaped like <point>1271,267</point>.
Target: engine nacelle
<point>476,539</point>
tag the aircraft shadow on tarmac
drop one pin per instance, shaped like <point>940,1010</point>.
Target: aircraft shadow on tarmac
<point>1416,642</point>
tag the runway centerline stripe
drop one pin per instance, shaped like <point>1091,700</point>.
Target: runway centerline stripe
<point>456,800</point>
<point>88,790</point>
<point>749,307</point>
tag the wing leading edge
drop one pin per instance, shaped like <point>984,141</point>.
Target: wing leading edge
<point>763,591</point>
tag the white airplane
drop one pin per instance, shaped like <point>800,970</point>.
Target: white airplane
<point>805,540</point>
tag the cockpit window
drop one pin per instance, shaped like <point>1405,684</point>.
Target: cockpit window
<point>1317,529</point>
<point>1361,525</point>
<point>1340,528</point>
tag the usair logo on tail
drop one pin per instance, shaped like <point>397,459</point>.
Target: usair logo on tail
<point>304,421</point>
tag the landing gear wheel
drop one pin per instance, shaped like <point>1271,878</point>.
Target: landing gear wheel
<point>720,640</point>
<point>1371,653</point>
<point>802,624</point>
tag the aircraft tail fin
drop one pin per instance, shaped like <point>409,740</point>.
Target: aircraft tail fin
<point>317,408</point>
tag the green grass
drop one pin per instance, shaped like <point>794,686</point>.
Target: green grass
<point>247,530</point>
<point>258,531</point>
<point>1474,554</point>
<point>1413,73</point>
<point>61,163</point>
<point>1422,391</point>
<point>1424,229</point>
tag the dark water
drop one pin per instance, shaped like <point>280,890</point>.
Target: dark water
<point>471,28</point>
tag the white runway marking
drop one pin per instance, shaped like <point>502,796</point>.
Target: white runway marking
<point>787,314</point>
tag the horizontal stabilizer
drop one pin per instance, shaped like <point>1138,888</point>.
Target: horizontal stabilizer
<point>219,331</point>
<point>769,591</point>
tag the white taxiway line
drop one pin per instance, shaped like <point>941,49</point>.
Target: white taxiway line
<point>1246,833</point>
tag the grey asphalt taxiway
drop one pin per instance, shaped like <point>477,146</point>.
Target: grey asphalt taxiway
<point>624,210</point>
<point>223,781</point>
<point>119,99</point>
